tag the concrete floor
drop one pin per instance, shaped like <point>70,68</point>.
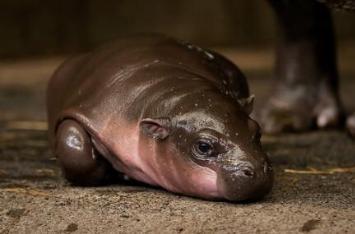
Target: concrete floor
<point>314,182</point>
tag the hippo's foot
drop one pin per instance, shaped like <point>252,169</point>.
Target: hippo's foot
<point>350,124</point>
<point>80,161</point>
<point>301,108</point>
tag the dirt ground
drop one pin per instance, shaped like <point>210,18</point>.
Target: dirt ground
<point>314,187</point>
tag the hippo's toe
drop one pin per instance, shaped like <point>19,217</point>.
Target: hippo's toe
<point>297,111</point>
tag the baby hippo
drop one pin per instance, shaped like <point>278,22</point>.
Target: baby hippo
<point>160,111</point>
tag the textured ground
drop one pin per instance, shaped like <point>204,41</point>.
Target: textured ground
<point>314,189</point>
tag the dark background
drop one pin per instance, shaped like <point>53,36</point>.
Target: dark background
<point>42,27</point>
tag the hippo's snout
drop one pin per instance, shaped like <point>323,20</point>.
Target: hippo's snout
<point>243,181</point>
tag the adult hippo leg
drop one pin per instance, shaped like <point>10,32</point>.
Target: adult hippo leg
<point>80,161</point>
<point>307,90</point>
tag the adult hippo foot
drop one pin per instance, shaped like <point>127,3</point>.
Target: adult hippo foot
<point>307,94</point>
<point>295,109</point>
<point>350,125</point>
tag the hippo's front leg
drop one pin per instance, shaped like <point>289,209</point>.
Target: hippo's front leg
<point>307,92</point>
<point>80,161</point>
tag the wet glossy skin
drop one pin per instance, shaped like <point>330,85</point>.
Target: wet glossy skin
<point>237,152</point>
<point>162,112</point>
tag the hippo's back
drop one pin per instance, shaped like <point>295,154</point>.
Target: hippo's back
<point>97,86</point>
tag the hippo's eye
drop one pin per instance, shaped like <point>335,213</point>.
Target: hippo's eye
<point>204,148</point>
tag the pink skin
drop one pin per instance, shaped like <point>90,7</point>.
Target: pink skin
<point>140,158</point>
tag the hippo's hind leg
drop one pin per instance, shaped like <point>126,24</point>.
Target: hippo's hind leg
<point>307,91</point>
<point>81,163</point>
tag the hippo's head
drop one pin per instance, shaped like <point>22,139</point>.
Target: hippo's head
<point>211,149</point>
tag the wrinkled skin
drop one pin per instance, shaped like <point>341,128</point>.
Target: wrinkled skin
<point>307,92</point>
<point>159,111</point>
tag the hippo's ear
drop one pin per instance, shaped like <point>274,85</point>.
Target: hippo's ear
<point>247,104</point>
<point>158,129</point>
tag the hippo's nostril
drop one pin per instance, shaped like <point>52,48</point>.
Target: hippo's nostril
<point>245,181</point>
<point>248,172</point>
